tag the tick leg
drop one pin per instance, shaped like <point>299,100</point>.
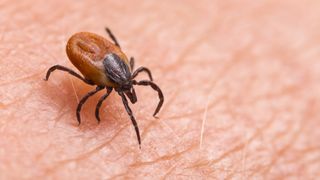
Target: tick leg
<point>109,89</point>
<point>112,37</point>
<point>133,120</point>
<point>131,94</point>
<point>156,88</point>
<point>142,69</point>
<point>132,63</point>
<point>84,99</point>
<point>70,71</point>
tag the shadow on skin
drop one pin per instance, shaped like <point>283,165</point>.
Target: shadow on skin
<point>71,91</point>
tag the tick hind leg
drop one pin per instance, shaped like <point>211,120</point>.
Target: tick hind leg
<point>109,90</point>
<point>154,87</point>
<point>112,37</point>
<point>84,99</point>
<point>133,120</point>
<point>70,71</point>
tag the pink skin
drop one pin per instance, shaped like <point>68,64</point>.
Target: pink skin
<point>241,81</point>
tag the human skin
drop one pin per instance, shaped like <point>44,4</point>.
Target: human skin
<point>241,81</point>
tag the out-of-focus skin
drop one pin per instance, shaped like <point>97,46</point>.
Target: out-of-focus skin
<point>241,81</point>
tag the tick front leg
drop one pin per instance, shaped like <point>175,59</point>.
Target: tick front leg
<point>132,63</point>
<point>142,69</point>
<point>112,37</point>
<point>133,120</point>
<point>84,99</point>
<point>154,87</point>
<point>70,71</point>
<point>109,90</point>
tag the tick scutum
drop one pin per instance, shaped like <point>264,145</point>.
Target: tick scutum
<point>116,69</point>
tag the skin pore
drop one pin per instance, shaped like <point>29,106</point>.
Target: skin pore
<point>241,83</point>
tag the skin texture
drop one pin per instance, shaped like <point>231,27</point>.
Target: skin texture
<point>241,81</point>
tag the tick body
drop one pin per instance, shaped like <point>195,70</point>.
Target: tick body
<point>104,65</point>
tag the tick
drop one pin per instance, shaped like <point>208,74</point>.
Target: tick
<point>104,65</point>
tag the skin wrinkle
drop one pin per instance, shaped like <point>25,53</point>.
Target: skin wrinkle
<point>42,154</point>
<point>3,29</point>
<point>152,123</point>
<point>286,91</point>
<point>227,68</point>
<point>196,42</point>
<point>85,155</point>
<point>302,153</point>
<point>247,142</point>
<point>158,120</point>
<point>243,170</point>
<point>52,56</point>
<point>16,101</point>
<point>163,158</point>
<point>195,113</point>
<point>259,132</point>
<point>21,79</point>
<point>294,137</point>
<point>57,119</point>
<point>168,173</point>
<point>166,157</point>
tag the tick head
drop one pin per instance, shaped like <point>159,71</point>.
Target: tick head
<point>117,71</point>
<point>131,94</point>
<point>126,86</point>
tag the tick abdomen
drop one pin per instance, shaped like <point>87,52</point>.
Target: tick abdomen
<point>87,51</point>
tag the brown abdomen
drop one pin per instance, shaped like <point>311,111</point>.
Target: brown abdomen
<point>86,51</point>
